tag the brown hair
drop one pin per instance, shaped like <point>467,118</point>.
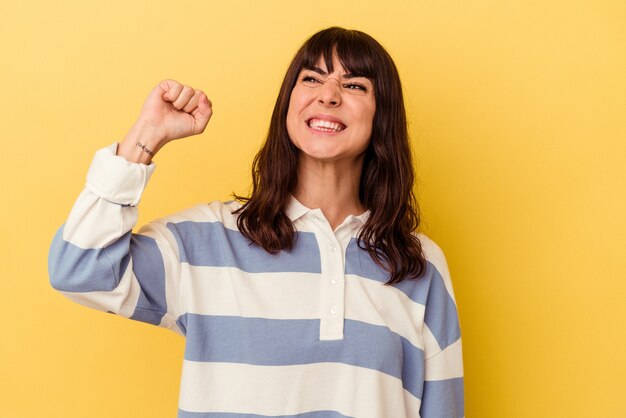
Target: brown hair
<point>386,186</point>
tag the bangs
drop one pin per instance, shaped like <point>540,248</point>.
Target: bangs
<point>354,50</point>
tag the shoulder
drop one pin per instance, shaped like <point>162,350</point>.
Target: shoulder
<point>215,211</point>
<point>435,256</point>
<point>432,251</point>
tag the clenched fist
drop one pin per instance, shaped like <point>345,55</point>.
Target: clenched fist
<point>171,111</point>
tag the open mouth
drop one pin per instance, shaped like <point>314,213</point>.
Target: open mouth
<point>325,125</point>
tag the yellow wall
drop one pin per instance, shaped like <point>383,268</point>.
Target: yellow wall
<point>517,114</point>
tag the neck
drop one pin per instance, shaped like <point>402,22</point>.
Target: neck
<point>333,187</point>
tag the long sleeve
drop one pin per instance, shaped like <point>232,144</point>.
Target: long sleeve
<point>97,261</point>
<point>443,395</point>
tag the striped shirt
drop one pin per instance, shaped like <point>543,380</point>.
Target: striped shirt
<point>310,332</point>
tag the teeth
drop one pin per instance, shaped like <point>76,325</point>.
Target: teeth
<point>326,125</point>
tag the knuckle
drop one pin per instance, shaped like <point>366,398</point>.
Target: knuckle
<point>172,84</point>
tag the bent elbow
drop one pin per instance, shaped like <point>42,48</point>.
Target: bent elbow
<point>75,269</point>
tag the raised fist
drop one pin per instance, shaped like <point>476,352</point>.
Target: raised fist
<point>174,110</point>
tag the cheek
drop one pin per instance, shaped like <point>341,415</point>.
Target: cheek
<point>292,115</point>
<point>367,119</point>
<point>295,105</point>
<point>292,125</point>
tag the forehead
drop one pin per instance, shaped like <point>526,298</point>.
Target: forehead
<point>321,69</point>
<point>335,63</point>
<point>325,65</point>
<point>356,52</point>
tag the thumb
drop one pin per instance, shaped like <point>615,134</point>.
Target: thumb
<point>169,89</point>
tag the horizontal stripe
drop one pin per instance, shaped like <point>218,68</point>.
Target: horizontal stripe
<point>215,211</point>
<point>93,272</point>
<point>291,390</point>
<point>369,301</point>
<point>431,346</point>
<point>443,398</point>
<point>429,289</point>
<point>121,301</point>
<point>314,414</point>
<point>75,269</point>
<point>149,270</point>
<point>441,315</point>
<point>212,244</point>
<point>271,342</point>
<point>116,179</point>
<point>89,224</point>
<point>435,255</point>
<point>360,263</point>
<point>231,292</point>
<point>446,364</point>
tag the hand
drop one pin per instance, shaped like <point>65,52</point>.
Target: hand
<point>173,110</point>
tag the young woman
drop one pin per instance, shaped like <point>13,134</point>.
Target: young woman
<point>316,296</point>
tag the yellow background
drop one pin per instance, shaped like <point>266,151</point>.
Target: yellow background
<point>518,120</point>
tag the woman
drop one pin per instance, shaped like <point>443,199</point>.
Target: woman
<point>313,297</point>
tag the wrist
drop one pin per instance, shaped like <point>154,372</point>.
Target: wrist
<point>140,144</point>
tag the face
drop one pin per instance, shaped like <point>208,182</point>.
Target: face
<point>330,115</point>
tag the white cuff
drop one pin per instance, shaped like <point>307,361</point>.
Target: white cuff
<point>116,179</point>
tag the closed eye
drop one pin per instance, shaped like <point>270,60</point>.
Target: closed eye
<point>310,79</point>
<point>354,86</point>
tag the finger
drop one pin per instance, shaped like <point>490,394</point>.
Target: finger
<point>183,98</point>
<point>202,113</point>
<point>193,102</point>
<point>171,88</point>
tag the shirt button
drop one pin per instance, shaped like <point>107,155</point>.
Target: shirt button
<point>333,247</point>
<point>333,279</point>
<point>333,310</point>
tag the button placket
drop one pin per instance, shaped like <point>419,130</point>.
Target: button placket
<point>332,285</point>
<point>331,326</point>
<point>332,246</point>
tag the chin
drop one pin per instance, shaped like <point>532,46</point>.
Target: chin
<point>320,151</point>
<point>320,156</point>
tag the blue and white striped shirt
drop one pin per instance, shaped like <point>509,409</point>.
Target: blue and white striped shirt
<point>308,333</point>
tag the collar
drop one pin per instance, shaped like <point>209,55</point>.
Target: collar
<point>296,210</point>
<point>364,216</point>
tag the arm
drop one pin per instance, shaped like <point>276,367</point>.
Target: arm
<point>443,395</point>
<point>95,259</point>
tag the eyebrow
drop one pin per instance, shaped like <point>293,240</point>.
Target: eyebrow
<point>324,73</point>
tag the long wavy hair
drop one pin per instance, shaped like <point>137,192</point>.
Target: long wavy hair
<point>386,185</point>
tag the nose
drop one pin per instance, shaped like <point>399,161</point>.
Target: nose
<point>330,93</point>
